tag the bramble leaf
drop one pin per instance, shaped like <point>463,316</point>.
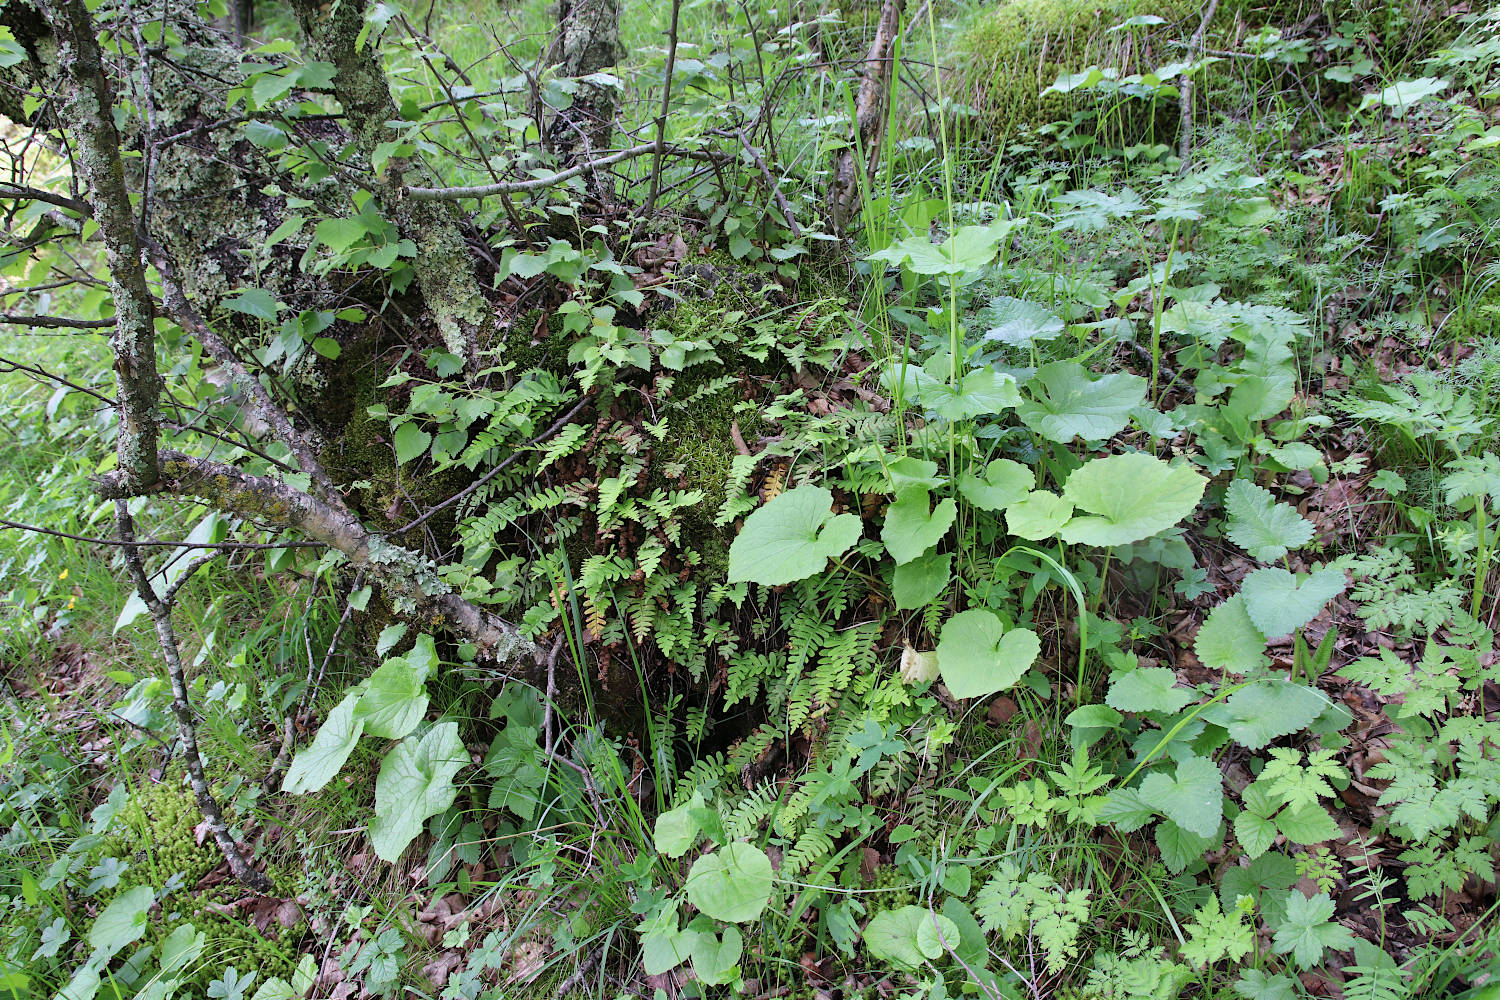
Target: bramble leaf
<point>1261,526</point>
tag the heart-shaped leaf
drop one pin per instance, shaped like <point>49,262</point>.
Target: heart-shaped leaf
<point>1018,322</point>
<point>791,538</point>
<point>122,922</point>
<point>1279,603</point>
<point>909,935</point>
<point>733,883</point>
<point>1037,515</point>
<point>1148,689</point>
<point>317,763</point>
<point>415,782</point>
<point>919,582</point>
<point>1193,799</point>
<point>911,528</point>
<point>411,441</point>
<point>1004,482</point>
<point>980,393</point>
<point>715,958</point>
<point>1134,497</point>
<point>978,657</point>
<point>394,700</point>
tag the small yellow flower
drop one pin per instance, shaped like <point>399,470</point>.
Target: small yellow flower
<point>63,575</point>
<point>72,601</point>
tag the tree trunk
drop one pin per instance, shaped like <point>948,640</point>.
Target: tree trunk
<point>862,154</point>
<point>587,42</point>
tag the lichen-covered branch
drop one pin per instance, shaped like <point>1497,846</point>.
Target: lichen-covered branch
<point>444,265</point>
<point>409,578</point>
<point>87,114</point>
<point>869,117</point>
<point>160,607</point>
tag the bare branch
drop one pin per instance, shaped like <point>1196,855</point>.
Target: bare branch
<point>56,322</point>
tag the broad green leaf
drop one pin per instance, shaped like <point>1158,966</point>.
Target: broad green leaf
<point>1308,824</point>
<point>980,393</point>
<point>1018,322</point>
<point>1037,515</point>
<point>415,782</point>
<point>1228,639</point>
<point>1126,809</point>
<point>121,923</point>
<point>663,945</point>
<point>978,657</point>
<point>1253,827</point>
<point>1133,497</point>
<point>715,958</point>
<point>1193,799</point>
<point>394,701</point>
<point>732,884</point>
<point>1148,689</point>
<point>317,763</point>
<point>791,538</point>
<point>1254,984</point>
<point>340,234</point>
<point>1068,403</point>
<point>411,441</point>
<point>1004,483</point>
<point>676,829</point>
<point>1261,526</point>
<point>1401,95</point>
<point>917,583</point>
<point>181,948</point>
<point>969,249</point>
<point>1268,710</point>
<point>255,302</point>
<point>909,935</point>
<point>908,470</point>
<point>1279,603</point>
<point>1179,847</point>
<point>911,528</point>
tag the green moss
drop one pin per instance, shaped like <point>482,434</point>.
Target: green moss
<point>1018,48</point>
<point>155,833</point>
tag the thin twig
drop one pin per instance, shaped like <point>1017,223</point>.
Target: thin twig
<point>57,322</point>
<point>152,544</point>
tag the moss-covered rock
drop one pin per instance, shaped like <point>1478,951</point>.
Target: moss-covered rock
<point>1016,49</point>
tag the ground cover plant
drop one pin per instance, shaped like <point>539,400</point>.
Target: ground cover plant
<point>740,499</point>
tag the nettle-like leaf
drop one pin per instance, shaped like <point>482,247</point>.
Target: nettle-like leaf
<point>1193,798</point>
<point>1018,322</point>
<point>911,528</point>
<point>978,657</point>
<point>1279,603</point>
<point>316,764</point>
<point>1228,639</point>
<point>1308,929</point>
<point>1148,689</point>
<point>1068,402</point>
<point>791,538</point>
<point>731,884</point>
<point>969,249</point>
<point>1037,515</point>
<point>907,936</point>
<point>1003,483</point>
<point>1132,497</point>
<point>1261,526</point>
<point>415,782</point>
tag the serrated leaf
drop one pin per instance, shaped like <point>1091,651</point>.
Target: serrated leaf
<point>1279,603</point>
<point>1018,322</point>
<point>1068,403</point>
<point>317,763</point>
<point>255,302</point>
<point>1228,639</point>
<point>1132,497</point>
<point>1308,824</point>
<point>911,528</point>
<point>1255,832</point>
<point>732,884</point>
<point>977,657</point>
<point>980,393</point>
<point>1179,848</point>
<point>1308,929</point>
<point>1193,798</point>
<point>415,782</point>
<point>1268,710</point>
<point>1261,526</point>
<point>1148,689</point>
<point>411,441</point>
<point>791,538</point>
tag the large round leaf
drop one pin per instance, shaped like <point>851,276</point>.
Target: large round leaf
<point>1069,403</point>
<point>1132,497</point>
<point>415,782</point>
<point>732,884</point>
<point>791,538</point>
<point>978,657</point>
